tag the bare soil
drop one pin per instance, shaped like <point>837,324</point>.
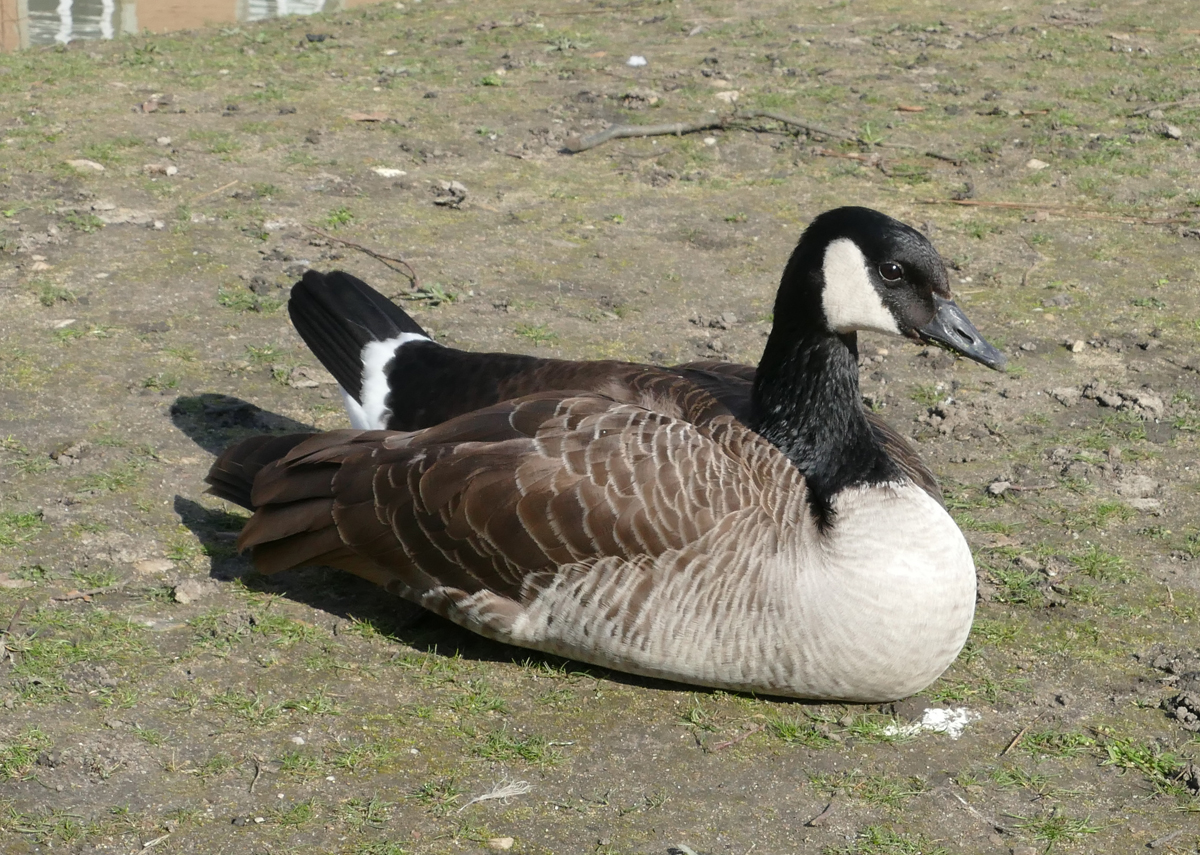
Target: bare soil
<point>158,694</point>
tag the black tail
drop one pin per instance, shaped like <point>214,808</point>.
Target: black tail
<point>337,315</point>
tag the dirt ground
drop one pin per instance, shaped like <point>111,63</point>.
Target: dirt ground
<point>158,694</point>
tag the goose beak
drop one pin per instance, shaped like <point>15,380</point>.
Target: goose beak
<point>951,328</point>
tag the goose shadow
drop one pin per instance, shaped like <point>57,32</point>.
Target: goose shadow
<point>214,421</point>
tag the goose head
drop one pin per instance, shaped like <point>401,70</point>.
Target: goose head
<point>856,269</point>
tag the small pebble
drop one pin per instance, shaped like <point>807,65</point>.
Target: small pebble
<point>1077,346</point>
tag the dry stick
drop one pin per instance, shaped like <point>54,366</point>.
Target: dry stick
<point>576,146</point>
<point>1187,102</point>
<point>741,736</point>
<point>617,132</point>
<point>214,192</point>
<point>979,815</point>
<point>820,818</point>
<point>1062,210</point>
<point>408,273</point>
<point>5,653</point>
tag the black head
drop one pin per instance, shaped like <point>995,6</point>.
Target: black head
<point>857,269</point>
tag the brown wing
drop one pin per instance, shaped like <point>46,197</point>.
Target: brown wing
<point>905,456</point>
<point>493,506</point>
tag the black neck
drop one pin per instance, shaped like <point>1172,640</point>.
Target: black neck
<point>806,403</point>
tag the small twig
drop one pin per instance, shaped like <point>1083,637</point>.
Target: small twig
<point>581,144</point>
<point>1016,740</point>
<point>1018,488</point>
<point>741,736</point>
<point>214,192</point>
<point>799,123</point>
<point>822,817</point>
<point>616,132</point>
<point>408,272</point>
<point>258,770</point>
<point>12,624</point>
<point>1164,840</point>
<point>1186,102</point>
<point>1003,829</point>
<point>152,843</point>
<point>1038,259</point>
<point>6,655</point>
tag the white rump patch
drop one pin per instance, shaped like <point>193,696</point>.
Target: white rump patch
<point>850,300</point>
<point>937,720</point>
<point>371,411</point>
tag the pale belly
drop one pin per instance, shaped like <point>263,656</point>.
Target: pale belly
<point>866,612</point>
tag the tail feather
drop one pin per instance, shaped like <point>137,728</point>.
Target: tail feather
<point>337,315</point>
<point>292,498</point>
<point>232,475</point>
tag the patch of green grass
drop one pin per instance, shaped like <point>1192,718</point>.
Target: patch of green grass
<point>120,477</point>
<point>1016,585</point>
<point>298,764</point>
<point>539,334</point>
<point>1147,303</point>
<point>438,797</point>
<point>479,697</point>
<point>360,814</point>
<point>697,716</point>
<point>927,394</point>
<point>285,631</point>
<point>874,789</point>
<point>501,745</point>
<point>18,755</point>
<point>20,527</point>
<point>1102,565</point>
<point>49,295</point>
<point>1054,743</point>
<point>1162,769</point>
<point>364,755</point>
<point>881,840</point>
<point>244,300</point>
<point>83,222</point>
<point>214,142</point>
<point>64,638</point>
<point>947,691</point>
<point>433,294</point>
<point>338,217</point>
<point>149,735</point>
<point>161,382</point>
<point>377,847</point>
<point>95,579</point>
<point>798,730</point>
<point>216,765</point>
<point>872,727</point>
<point>298,815</point>
<point>1016,778</point>
<point>1054,828</point>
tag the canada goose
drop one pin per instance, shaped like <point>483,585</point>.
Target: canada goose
<point>712,524</point>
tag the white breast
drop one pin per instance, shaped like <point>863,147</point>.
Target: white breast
<point>874,610</point>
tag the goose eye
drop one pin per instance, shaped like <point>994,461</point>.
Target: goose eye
<point>891,271</point>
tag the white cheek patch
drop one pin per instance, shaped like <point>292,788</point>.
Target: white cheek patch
<point>372,412</point>
<point>849,299</point>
